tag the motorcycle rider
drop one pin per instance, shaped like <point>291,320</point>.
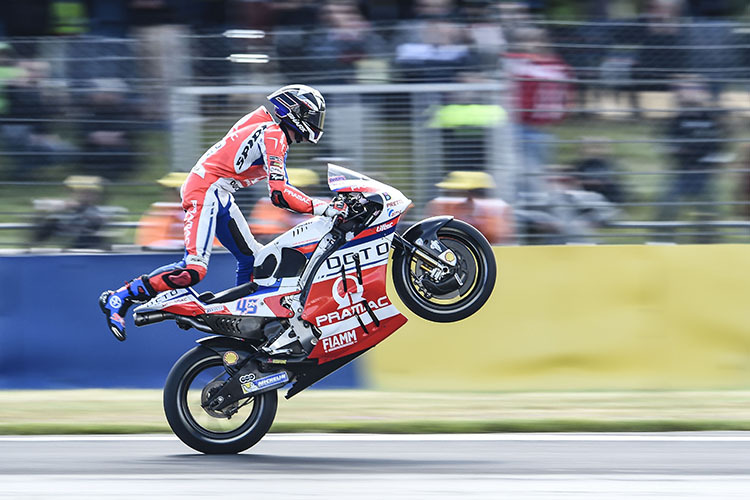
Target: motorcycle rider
<point>254,149</point>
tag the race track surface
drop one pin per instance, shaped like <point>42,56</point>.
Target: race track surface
<point>589,466</point>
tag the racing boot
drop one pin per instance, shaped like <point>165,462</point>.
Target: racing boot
<point>115,304</point>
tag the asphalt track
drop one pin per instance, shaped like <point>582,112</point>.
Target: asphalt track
<point>533,466</point>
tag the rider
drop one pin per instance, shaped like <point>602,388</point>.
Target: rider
<point>254,149</point>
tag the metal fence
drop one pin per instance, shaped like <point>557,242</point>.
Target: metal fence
<point>555,132</point>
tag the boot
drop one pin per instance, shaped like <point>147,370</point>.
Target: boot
<point>115,304</point>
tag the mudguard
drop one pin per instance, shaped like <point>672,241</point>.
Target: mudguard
<point>426,229</point>
<point>221,344</point>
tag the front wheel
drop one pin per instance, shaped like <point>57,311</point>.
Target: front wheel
<point>451,296</point>
<point>195,375</point>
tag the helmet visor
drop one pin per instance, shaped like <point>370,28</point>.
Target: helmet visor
<point>315,119</point>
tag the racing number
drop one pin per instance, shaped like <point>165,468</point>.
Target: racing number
<point>247,306</point>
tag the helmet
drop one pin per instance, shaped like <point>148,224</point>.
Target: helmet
<point>302,109</point>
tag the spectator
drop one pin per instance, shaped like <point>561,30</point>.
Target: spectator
<point>468,197</point>
<point>433,47</point>
<point>108,143</point>
<point>658,60</point>
<point>694,147</point>
<point>161,227</point>
<point>540,96</point>
<point>344,40</point>
<point>563,212</point>
<point>743,189</point>
<point>597,170</point>
<point>75,222</point>
<point>27,131</point>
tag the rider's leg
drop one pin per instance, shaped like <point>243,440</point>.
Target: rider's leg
<point>200,226</point>
<point>115,304</point>
<point>234,233</point>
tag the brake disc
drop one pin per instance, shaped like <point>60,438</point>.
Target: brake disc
<point>208,392</point>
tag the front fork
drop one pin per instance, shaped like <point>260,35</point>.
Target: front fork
<point>437,265</point>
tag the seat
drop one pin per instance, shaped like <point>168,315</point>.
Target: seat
<point>230,294</point>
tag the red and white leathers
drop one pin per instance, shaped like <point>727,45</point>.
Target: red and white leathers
<point>254,149</point>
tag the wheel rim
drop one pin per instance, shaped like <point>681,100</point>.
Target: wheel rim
<point>210,371</point>
<point>472,269</point>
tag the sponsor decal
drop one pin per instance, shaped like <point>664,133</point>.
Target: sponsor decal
<point>393,203</point>
<point>357,308</point>
<point>115,301</point>
<point>387,196</point>
<point>346,299</point>
<point>230,358</point>
<point>295,194</point>
<point>337,178</point>
<point>196,261</point>
<point>213,309</point>
<point>334,262</point>
<point>383,227</point>
<point>275,169</point>
<point>276,166</point>
<point>247,306</point>
<point>273,158</point>
<point>188,221</point>
<point>250,385</point>
<point>339,340</point>
<point>240,159</point>
<point>166,296</point>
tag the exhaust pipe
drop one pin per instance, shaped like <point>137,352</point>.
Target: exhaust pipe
<point>184,322</point>
<point>149,318</point>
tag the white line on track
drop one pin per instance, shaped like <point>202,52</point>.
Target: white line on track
<point>655,437</point>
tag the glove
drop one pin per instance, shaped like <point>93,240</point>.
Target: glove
<point>337,208</point>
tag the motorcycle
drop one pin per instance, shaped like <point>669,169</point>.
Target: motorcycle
<point>317,301</point>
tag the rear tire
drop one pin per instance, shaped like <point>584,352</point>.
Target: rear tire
<point>477,263</point>
<point>185,417</point>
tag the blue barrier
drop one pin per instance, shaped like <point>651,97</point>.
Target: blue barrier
<point>53,335</point>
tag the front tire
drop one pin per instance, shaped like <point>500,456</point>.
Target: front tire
<point>211,433</point>
<point>476,269</point>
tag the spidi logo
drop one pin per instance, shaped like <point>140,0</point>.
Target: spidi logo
<point>339,340</point>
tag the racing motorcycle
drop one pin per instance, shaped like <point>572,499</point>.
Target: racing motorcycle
<point>317,301</point>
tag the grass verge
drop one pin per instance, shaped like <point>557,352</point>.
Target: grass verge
<point>139,411</point>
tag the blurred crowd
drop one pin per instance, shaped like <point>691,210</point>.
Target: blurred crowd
<point>85,98</point>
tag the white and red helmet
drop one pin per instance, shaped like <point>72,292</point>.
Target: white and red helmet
<point>302,108</point>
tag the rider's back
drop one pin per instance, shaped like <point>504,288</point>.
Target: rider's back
<point>240,155</point>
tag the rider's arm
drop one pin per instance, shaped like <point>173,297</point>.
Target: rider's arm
<point>282,193</point>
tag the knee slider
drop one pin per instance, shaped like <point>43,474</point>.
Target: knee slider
<point>183,277</point>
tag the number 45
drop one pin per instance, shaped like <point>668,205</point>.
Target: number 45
<point>247,306</point>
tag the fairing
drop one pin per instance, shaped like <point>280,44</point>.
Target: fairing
<point>346,303</point>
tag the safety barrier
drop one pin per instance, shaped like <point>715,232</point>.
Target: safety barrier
<point>569,317</point>
<point>588,318</point>
<point>53,336</point>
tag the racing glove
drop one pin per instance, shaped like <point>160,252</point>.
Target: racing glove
<point>334,209</point>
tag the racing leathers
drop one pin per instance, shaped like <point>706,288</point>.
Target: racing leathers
<point>254,149</point>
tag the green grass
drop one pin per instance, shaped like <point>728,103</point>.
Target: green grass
<point>139,411</point>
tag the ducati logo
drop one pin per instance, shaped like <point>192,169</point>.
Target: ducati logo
<point>351,296</point>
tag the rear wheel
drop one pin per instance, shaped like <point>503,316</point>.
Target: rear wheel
<point>197,374</point>
<point>454,295</point>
